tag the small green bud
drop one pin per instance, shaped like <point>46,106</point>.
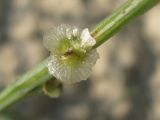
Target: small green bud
<point>52,88</point>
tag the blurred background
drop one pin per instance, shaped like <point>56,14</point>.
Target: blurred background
<point>125,84</point>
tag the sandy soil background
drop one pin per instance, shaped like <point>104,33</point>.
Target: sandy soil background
<point>125,84</point>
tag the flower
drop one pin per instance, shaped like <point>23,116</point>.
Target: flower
<point>72,56</point>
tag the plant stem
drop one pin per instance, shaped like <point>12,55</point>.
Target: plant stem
<point>107,28</point>
<point>127,12</point>
<point>22,87</point>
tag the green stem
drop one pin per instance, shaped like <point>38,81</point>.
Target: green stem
<point>107,28</point>
<point>22,87</point>
<point>127,12</point>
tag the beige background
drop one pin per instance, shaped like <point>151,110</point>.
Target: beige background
<point>125,84</point>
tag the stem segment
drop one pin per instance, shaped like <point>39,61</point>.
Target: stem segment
<point>22,87</point>
<point>107,28</point>
<point>127,12</point>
